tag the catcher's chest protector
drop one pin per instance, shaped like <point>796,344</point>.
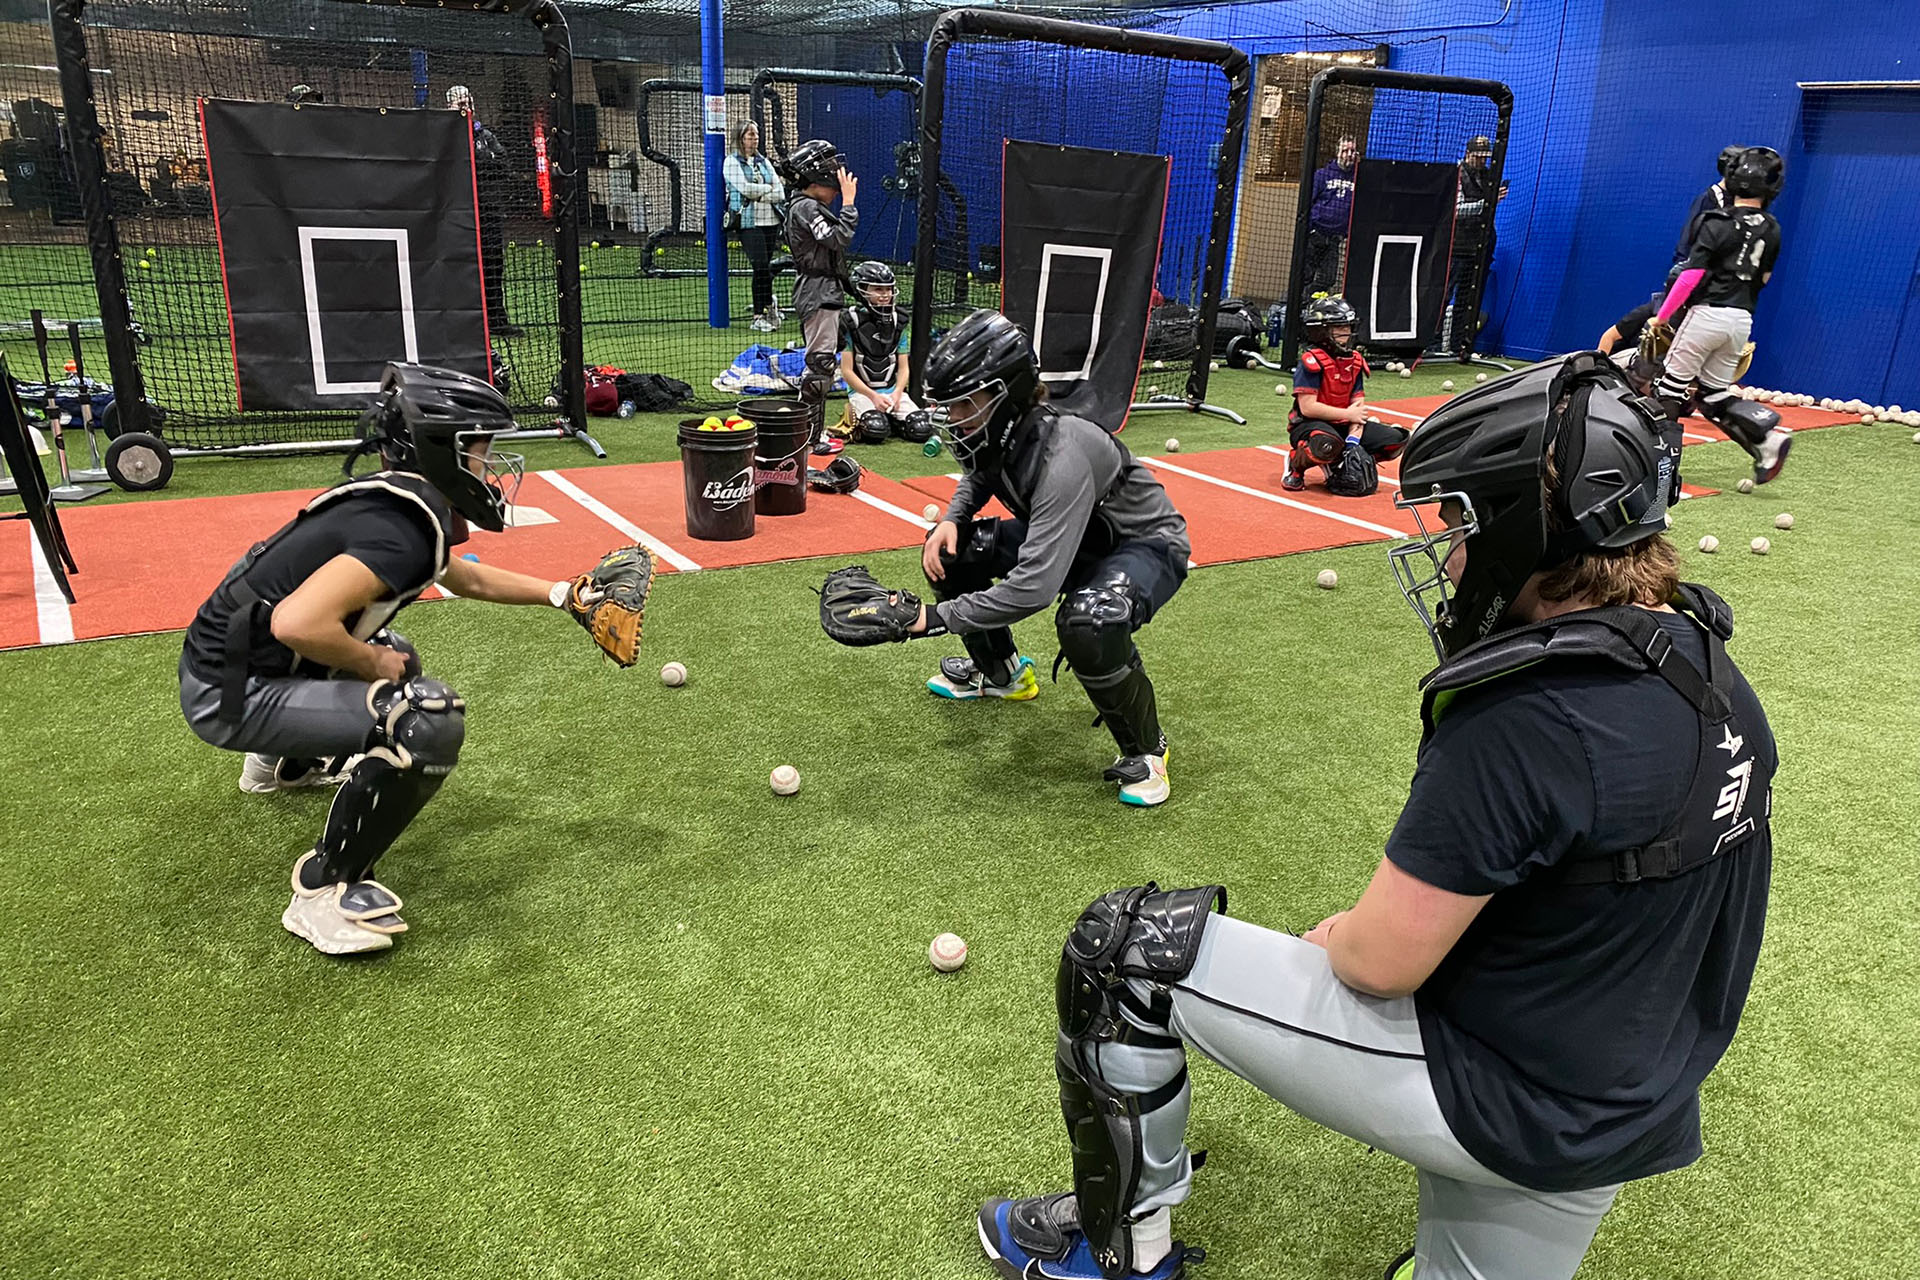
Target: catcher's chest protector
<point>875,341</point>
<point>1730,799</point>
<point>1339,375</point>
<point>1018,478</point>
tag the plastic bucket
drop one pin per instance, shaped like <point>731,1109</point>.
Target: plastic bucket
<point>718,467</point>
<point>780,456</point>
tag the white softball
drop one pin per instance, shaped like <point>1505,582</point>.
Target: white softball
<point>673,675</point>
<point>1173,445</point>
<point>1760,546</point>
<point>1282,388</point>
<point>1479,377</point>
<point>1405,372</point>
<point>1447,385</point>
<point>551,402</point>
<point>1709,544</point>
<point>785,780</point>
<point>947,952</point>
<point>1213,364</point>
<point>1328,579</point>
<point>1826,402</point>
<point>1879,411</point>
<point>930,513</point>
<point>1866,419</point>
<point>1159,364</point>
<point>1916,437</point>
<point>1745,485</point>
<point>1784,520</point>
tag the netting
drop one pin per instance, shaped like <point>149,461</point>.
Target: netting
<point>1424,126</point>
<point>1000,88</point>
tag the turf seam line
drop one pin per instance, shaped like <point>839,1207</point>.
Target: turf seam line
<point>881,504</point>
<point>55,618</point>
<point>1275,498</point>
<point>618,521</point>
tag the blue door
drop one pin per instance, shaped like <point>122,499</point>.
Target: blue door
<point>1845,300</point>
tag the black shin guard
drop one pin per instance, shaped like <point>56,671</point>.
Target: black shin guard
<point>1126,949</point>
<point>1124,700</point>
<point>993,653</point>
<point>814,385</point>
<point>414,746</point>
<point>1095,627</point>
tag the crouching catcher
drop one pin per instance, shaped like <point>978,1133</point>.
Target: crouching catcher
<point>1091,528</point>
<point>293,660</point>
<point>1329,425</point>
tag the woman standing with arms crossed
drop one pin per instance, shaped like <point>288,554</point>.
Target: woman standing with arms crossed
<point>754,192</point>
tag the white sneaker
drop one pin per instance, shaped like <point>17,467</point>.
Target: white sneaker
<point>761,325</point>
<point>775,316</point>
<point>343,919</point>
<point>262,774</point>
<point>1142,779</point>
<point>1773,454</point>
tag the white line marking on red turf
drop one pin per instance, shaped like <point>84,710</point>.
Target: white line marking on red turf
<point>1410,417</point>
<point>56,619</point>
<point>1393,475</point>
<point>1274,498</point>
<point>881,504</point>
<point>618,521</point>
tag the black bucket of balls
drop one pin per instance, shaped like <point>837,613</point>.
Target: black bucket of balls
<point>780,459</point>
<point>716,460</point>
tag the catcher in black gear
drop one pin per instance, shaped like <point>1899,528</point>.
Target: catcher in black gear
<point>815,172</point>
<point>1092,528</point>
<point>293,659</point>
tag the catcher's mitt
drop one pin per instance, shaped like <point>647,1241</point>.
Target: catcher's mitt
<point>1655,337</point>
<point>610,601</point>
<point>856,610</point>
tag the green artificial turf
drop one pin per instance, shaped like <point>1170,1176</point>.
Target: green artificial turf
<point>652,1021</point>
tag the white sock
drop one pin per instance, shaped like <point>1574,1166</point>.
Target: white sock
<point>1152,1240</point>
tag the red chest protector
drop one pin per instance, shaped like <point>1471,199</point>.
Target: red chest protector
<point>1340,376</point>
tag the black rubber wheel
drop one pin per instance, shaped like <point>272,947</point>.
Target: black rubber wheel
<point>1240,352</point>
<point>139,462</point>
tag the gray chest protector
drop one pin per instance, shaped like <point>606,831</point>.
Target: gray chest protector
<point>1729,798</point>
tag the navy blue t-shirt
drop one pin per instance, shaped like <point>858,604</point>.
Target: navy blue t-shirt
<point>1568,1030</point>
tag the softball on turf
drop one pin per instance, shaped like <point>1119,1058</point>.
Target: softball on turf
<point>1447,385</point>
<point>947,952</point>
<point>1213,364</point>
<point>1479,377</point>
<point>1760,546</point>
<point>1745,485</point>
<point>1916,437</point>
<point>1405,372</point>
<point>1784,520</point>
<point>673,675</point>
<point>1159,364</point>
<point>785,780</point>
<point>930,513</point>
<point>551,402</point>
<point>145,265</point>
<point>1281,389</point>
<point>1894,410</point>
<point>1173,445</point>
<point>1709,544</point>
<point>1328,579</point>
<point>1866,419</point>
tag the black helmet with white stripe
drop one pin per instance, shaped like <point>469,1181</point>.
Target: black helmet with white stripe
<point>815,160</point>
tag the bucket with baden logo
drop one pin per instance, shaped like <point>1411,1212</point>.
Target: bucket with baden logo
<point>780,460</point>
<point>718,467</point>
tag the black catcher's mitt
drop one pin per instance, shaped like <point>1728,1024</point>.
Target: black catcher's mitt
<point>856,610</point>
<point>610,601</point>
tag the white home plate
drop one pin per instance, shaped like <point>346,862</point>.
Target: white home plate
<point>519,517</point>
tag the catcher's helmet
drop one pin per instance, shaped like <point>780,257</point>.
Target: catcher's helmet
<point>1728,154</point>
<point>870,278</point>
<point>1757,172</point>
<point>987,355</point>
<point>815,160</point>
<point>1482,459</point>
<point>441,425</point>
<point>1321,315</point>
